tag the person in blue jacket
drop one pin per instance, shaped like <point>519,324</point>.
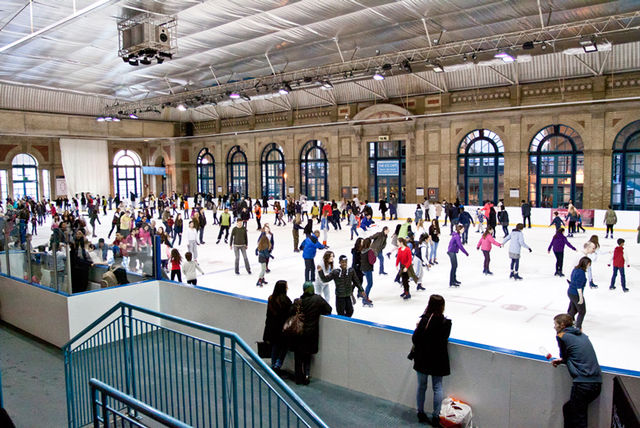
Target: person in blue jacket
<point>576,291</point>
<point>557,221</point>
<point>466,221</point>
<point>309,247</point>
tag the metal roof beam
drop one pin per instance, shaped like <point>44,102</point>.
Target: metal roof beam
<point>433,85</point>
<point>508,79</point>
<point>377,94</point>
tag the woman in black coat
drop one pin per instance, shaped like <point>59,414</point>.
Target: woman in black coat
<point>312,306</point>
<point>430,356</point>
<point>278,310</point>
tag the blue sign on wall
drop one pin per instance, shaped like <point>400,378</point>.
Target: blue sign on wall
<point>154,170</point>
<point>389,168</point>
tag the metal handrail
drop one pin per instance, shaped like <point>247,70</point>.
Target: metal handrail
<point>131,403</point>
<point>1,401</point>
<point>234,339</point>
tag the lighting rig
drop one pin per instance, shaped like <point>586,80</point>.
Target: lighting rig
<point>146,38</point>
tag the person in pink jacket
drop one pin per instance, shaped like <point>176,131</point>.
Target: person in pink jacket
<point>485,244</point>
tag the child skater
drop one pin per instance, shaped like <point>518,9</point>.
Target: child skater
<point>264,252</point>
<point>321,286</point>
<point>403,263</point>
<point>576,291</point>
<point>175,260</point>
<point>590,250</point>
<point>557,221</point>
<point>480,222</point>
<point>485,243</point>
<point>517,243</point>
<point>558,243</point>
<point>619,260</point>
<point>353,222</point>
<point>189,268</point>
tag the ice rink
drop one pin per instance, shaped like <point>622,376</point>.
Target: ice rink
<point>491,310</point>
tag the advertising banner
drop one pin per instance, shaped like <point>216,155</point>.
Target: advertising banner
<point>587,216</point>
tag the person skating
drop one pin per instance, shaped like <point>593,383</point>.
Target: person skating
<point>367,259</point>
<point>264,252</point>
<point>239,243</point>
<point>558,243</point>
<point>576,291</point>
<point>309,248</point>
<point>517,243</point>
<point>378,243</point>
<point>485,243</point>
<point>619,260</point>
<point>576,351</point>
<point>322,286</point>
<point>610,219</point>
<point>591,249</point>
<point>403,263</point>
<point>225,223</point>
<point>525,207</point>
<point>455,245</point>
<point>434,233</point>
<point>346,280</point>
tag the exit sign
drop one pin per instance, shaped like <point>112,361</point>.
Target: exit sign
<point>383,138</point>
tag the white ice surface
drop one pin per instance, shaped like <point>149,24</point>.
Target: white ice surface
<point>490,310</point>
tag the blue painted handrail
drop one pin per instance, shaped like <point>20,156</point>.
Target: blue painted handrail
<point>1,402</point>
<point>101,393</point>
<point>169,370</point>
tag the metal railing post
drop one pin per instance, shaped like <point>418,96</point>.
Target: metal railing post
<point>157,248</point>
<point>234,383</point>
<point>6,254</point>
<point>28,254</point>
<point>68,375</point>
<point>225,406</point>
<point>67,275</point>
<point>54,266</point>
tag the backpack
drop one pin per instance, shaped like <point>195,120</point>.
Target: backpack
<point>371,257</point>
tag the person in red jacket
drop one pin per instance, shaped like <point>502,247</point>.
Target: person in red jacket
<point>403,261</point>
<point>619,261</point>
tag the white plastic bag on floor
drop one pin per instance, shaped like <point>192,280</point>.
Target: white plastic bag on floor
<point>455,414</point>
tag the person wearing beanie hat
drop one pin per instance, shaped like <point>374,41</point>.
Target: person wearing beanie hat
<point>311,306</point>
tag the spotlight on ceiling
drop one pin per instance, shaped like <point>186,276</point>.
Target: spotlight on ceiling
<point>504,56</point>
<point>284,89</point>
<point>181,107</point>
<point>326,85</point>
<point>378,75</point>
<point>234,95</point>
<point>100,119</point>
<point>133,116</point>
<point>159,59</point>
<point>115,119</point>
<point>474,57</point>
<point>133,61</point>
<point>245,97</point>
<point>464,58</point>
<point>589,45</point>
<point>165,55</point>
<point>125,58</point>
<point>406,66</point>
<point>145,61</point>
<point>527,45</point>
<point>438,67</point>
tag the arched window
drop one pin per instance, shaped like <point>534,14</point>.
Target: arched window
<point>313,171</point>
<point>556,167</point>
<point>237,171</point>
<point>273,171</point>
<point>127,174</point>
<point>625,171</point>
<point>25,176</point>
<point>206,172</point>
<point>480,167</point>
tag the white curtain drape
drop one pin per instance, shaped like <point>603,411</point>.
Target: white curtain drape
<point>86,166</point>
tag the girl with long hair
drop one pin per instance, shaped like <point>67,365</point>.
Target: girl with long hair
<point>485,243</point>
<point>278,308</point>
<point>321,287</point>
<point>176,260</point>
<point>434,233</point>
<point>264,252</point>
<point>576,291</point>
<point>431,356</point>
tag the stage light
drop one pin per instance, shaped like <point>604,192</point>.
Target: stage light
<point>589,45</point>
<point>133,116</point>
<point>245,97</point>
<point>527,45</point>
<point>326,85</point>
<point>159,59</point>
<point>115,119</point>
<point>100,119</point>
<point>284,89</point>
<point>504,56</point>
<point>437,67</point>
<point>133,62</point>
<point>145,61</point>
<point>406,66</point>
<point>181,107</point>
<point>234,95</point>
<point>378,76</point>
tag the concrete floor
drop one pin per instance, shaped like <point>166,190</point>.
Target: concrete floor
<point>34,390</point>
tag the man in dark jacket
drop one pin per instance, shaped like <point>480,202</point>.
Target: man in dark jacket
<point>346,280</point>
<point>383,208</point>
<point>312,306</point>
<point>378,242</point>
<point>239,244</point>
<point>578,354</point>
<point>526,213</point>
<point>466,221</point>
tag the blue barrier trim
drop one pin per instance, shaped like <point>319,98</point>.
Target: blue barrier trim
<point>505,351</point>
<point>112,287</point>
<point>4,275</point>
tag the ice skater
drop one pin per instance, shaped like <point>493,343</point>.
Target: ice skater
<point>346,280</point>
<point>366,259</point>
<point>619,260</point>
<point>403,263</point>
<point>591,249</point>
<point>434,233</point>
<point>557,221</point>
<point>610,219</point>
<point>309,248</point>
<point>321,286</point>
<point>576,291</point>
<point>558,243</point>
<point>485,244</point>
<point>517,243</point>
<point>455,244</point>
